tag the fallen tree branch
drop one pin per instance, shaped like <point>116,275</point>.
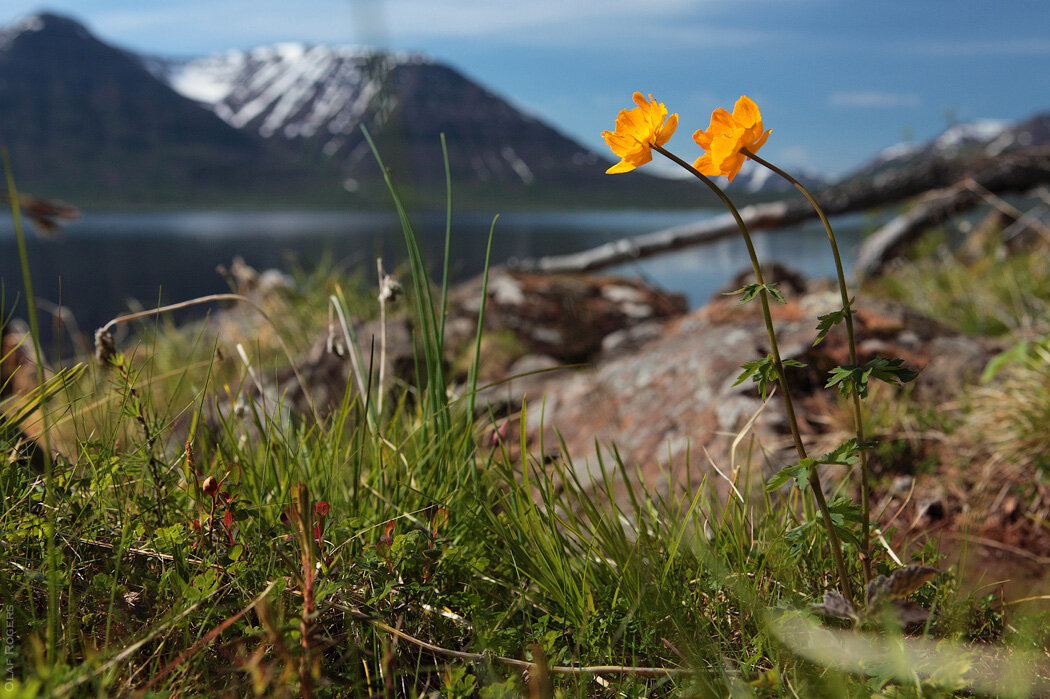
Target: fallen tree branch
<point>1018,171</point>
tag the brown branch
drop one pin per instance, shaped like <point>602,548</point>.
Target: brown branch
<point>1018,171</point>
<point>104,341</point>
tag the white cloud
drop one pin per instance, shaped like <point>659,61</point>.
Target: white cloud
<point>874,99</point>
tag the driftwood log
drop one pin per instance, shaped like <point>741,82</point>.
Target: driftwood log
<point>1014,173</point>
<point>1020,170</point>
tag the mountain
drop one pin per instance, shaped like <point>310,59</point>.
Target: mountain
<point>86,122</point>
<point>315,99</point>
<point>278,126</point>
<point>982,137</point>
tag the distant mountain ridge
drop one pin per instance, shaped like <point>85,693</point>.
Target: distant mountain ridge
<point>316,98</point>
<point>84,121</point>
<point>981,137</point>
<point>276,126</point>
<point>281,125</point>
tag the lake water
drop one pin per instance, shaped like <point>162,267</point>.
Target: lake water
<point>105,262</point>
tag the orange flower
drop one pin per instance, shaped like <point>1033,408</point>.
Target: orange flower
<point>637,131</point>
<point>726,135</point>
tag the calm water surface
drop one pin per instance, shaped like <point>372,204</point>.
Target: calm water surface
<point>105,263</point>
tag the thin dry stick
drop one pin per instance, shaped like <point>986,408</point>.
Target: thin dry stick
<point>146,553</point>
<point>351,346</point>
<point>1006,208</point>
<point>104,332</point>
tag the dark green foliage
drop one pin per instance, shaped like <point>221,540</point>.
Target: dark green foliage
<point>854,379</point>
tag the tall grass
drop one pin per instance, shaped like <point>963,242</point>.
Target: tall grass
<point>212,540</point>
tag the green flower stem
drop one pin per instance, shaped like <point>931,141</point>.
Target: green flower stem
<point>847,309</point>
<point>800,447</point>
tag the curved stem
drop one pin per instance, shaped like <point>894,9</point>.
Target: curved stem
<point>209,299</point>
<point>847,309</point>
<point>800,447</point>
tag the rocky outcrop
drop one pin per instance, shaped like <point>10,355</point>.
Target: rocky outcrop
<point>545,321</point>
<point>564,316</point>
<point>673,400</point>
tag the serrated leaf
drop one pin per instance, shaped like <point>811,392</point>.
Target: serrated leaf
<point>826,323</point>
<point>750,291</point>
<point>891,371</point>
<point>835,605</point>
<point>761,371</point>
<point>845,454</point>
<point>749,368</point>
<point>848,379</point>
<point>799,471</point>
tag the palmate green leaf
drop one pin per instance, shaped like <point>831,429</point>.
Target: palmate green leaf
<point>852,379</point>
<point>845,454</point>
<point>826,323</point>
<point>750,291</point>
<point>799,471</point>
<point>845,515</point>
<point>763,372</point>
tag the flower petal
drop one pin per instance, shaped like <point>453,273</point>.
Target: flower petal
<point>667,130</point>
<point>760,142</point>
<point>622,166</point>
<point>705,166</point>
<point>745,112</point>
<point>731,167</point>
<point>638,130</point>
<point>721,120</point>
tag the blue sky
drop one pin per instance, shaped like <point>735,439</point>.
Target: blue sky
<point>837,80</point>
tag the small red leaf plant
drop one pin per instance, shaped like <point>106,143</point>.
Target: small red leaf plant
<point>213,495</point>
<point>320,512</point>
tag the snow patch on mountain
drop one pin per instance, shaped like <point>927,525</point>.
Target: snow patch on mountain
<point>291,90</point>
<point>30,23</point>
<point>897,151</point>
<point>973,132</point>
